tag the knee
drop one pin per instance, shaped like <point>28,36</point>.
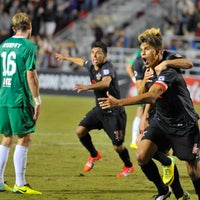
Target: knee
<point>141,158</point>
<point>193,171</point>
<point>118,149</point>
<point>192,174</point>
<point>7,141</point>
<point>81,131</point>
<point>24,140</point>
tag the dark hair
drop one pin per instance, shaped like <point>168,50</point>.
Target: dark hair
<point>101,45</point>
<point>151,36</point>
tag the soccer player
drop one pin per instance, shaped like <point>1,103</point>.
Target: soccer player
<point>19,100</point>
<point>139,111</point>
<point>113,121</point>
<point>170,171</point>
<point>175,122</point>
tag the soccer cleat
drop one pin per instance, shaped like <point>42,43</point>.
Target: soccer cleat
<point>126,171</point>
<point>26,189</point>
<point>168,172</point>
<point>185,196</point>
<point>133,146</point>
<point>90,163</point>
<point>5,187</point>
<point>163,196</point>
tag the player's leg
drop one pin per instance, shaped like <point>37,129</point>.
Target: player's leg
<point>135,126</point>
<point>90,121</point>
<point>115,127</point>
<point>6,142</point>
<point>189,137</point>
<point>23,126</point>
<point>144,155</point>
<point>193,169</point>
<point>4,152</point>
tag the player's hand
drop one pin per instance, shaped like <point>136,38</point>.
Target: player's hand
<point>143,124</point>
<point>59,56</point>
<point>159,68</point>
<point>138,139</point>
<point>148,75</point>
<point>108,102</point>
<point>36,112</point>
<point>80,87</point>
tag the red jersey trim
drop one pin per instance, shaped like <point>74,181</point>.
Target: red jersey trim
<point>162,84</point>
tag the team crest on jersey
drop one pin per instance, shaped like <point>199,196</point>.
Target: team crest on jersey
<point>105,71</point>
<point>98,76</point>
<point>161,78</point>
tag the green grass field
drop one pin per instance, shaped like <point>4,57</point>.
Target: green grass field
<point>56,159</point>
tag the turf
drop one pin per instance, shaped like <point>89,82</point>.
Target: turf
<point>56,159</point>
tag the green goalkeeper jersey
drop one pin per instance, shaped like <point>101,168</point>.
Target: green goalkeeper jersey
<point>17,56</point>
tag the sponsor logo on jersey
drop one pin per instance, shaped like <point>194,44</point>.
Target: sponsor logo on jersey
<point>7,82</point>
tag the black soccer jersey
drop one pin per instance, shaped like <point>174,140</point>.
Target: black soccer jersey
<point>175,106</point>
<point>96,76</point>
<point>138,68</point>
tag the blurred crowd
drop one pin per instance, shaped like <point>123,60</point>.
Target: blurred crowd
<point>50,16</point>
<point>186,19</point>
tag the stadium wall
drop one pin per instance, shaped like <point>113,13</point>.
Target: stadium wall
<point>62,83</point>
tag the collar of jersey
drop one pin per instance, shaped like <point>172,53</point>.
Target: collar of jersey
<point>18,36</point>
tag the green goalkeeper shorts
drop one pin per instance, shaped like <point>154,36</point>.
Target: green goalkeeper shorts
<point>14,121</point>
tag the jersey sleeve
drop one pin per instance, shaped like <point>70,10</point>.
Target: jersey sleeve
<point>88,64</point>
<point>107,70</point>
<point>139,68</point>
<point>131,61</point>
<point>166,78</point>
<point>30,57</point>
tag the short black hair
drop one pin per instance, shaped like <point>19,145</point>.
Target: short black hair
<point>101,45</point>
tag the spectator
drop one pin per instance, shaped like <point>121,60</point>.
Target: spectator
<point>98,32</point>
<point>48,25</point>
<point>193,25</point>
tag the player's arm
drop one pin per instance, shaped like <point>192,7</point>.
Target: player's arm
<point>33,84</point>
<point>104,83</point>
<point>130,72</point>
<point>149,97</point>
<point>76,60</point>
<point>144,119</point>
<point>181,63</point>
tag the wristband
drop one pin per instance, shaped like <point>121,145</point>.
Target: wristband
<point>37,100</point>
<point>133,79</point>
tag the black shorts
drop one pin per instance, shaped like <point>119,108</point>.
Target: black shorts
<point>184,141</point>
<point>112,121</point>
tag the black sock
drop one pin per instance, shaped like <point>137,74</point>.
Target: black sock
<point>87,143</point>
<point>176,185</point>
<point>196,184</point>
<point>152,173</point>
<point>124,155</point>
<point>162,158</point>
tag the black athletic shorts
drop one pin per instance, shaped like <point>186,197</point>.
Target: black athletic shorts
<point>113,121</point>
<point>184,141</point>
